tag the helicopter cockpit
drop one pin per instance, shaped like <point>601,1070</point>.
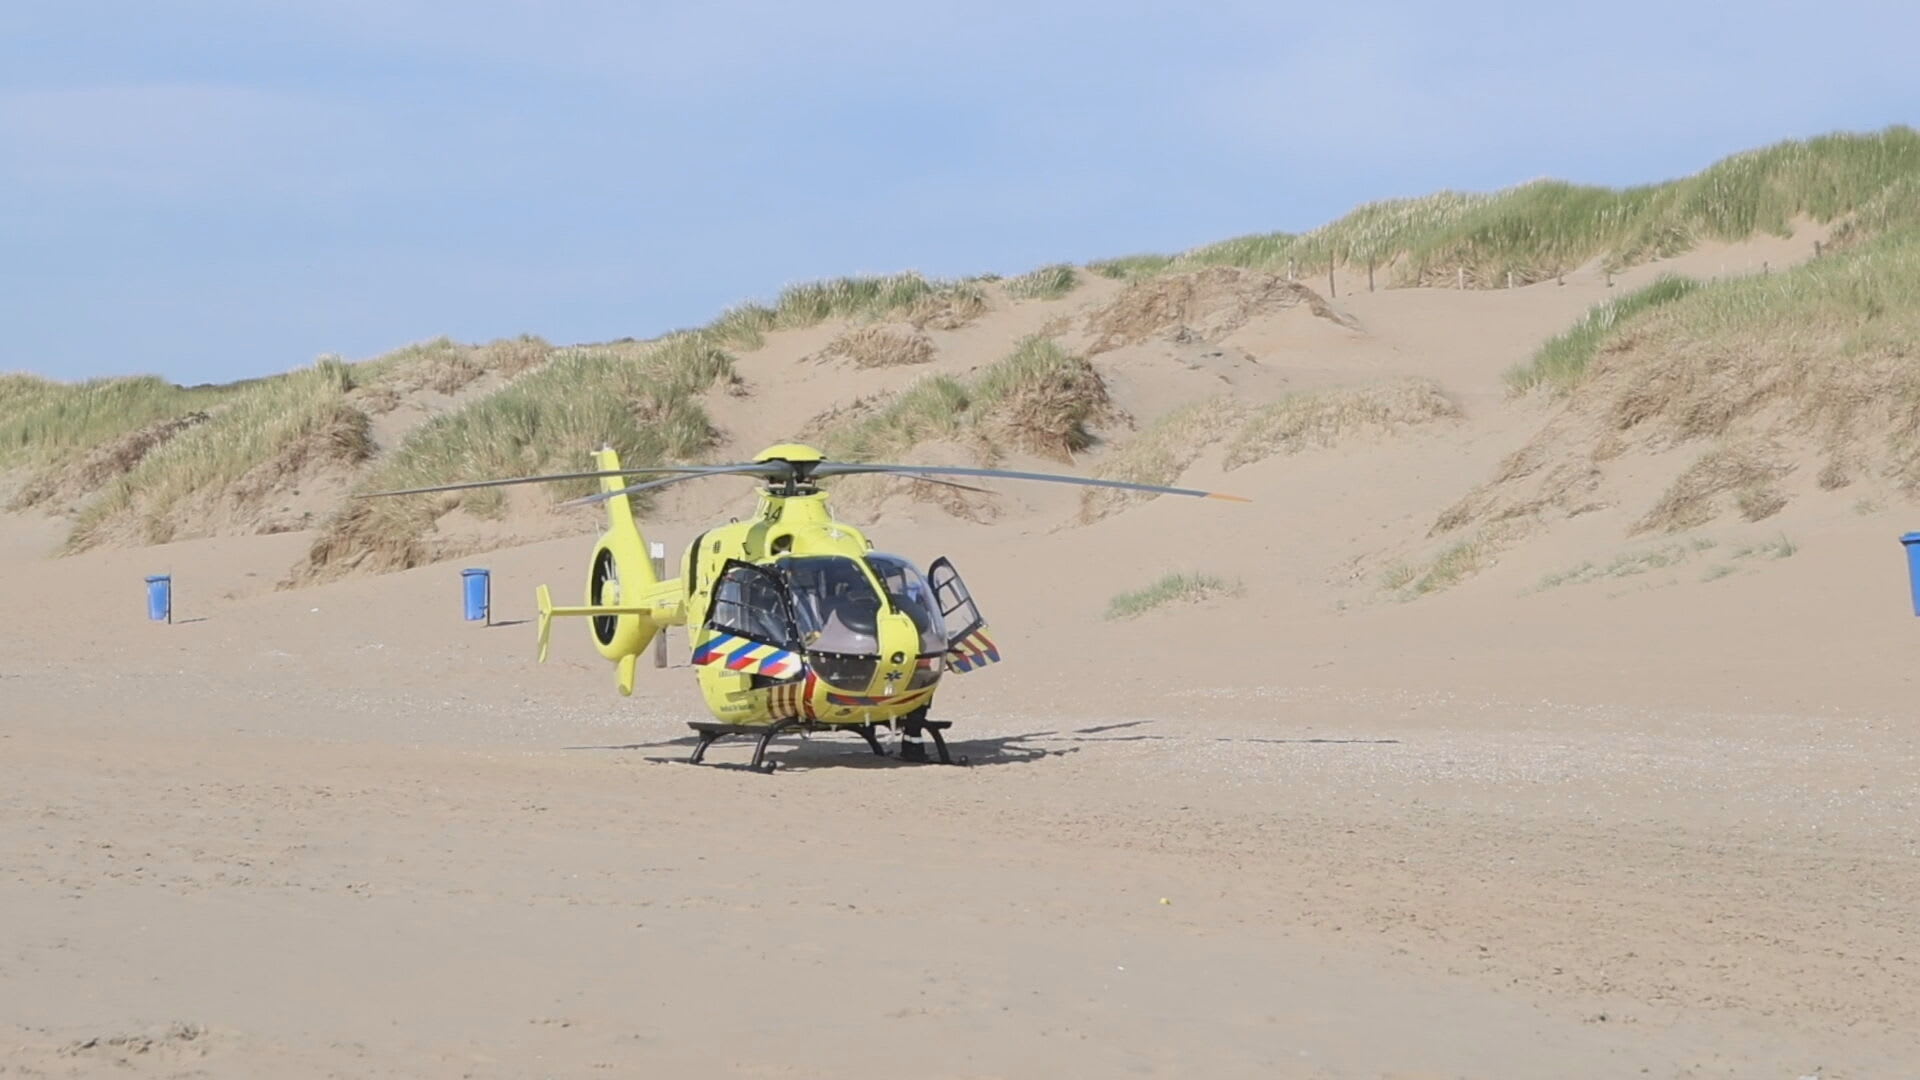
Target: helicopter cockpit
<point>829,608</point>
<point>836,613</point>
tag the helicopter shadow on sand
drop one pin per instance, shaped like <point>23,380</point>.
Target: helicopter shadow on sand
<point>814,753</point>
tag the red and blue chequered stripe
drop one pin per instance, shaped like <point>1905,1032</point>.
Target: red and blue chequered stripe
<point>974,650</point>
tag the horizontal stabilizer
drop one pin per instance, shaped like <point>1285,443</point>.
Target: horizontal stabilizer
<point>589,612</point>
<point>548,612</point>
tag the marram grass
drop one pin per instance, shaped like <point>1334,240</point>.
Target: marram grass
<point>642,399</point>
<point>1546,227</point>
<point>269,424</point>
<point>1046,283</point>
<point>1562,362</point>
<point>1172,588</point>
<point>1064,394</point>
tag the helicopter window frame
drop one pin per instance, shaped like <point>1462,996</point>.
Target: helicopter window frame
<point>810,616</point>
<point>886,567</point>
<point>757,593</point>
<point>946,581</point>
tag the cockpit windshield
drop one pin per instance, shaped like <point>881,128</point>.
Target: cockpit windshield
<point>909,591</point>
<point>834,605</point>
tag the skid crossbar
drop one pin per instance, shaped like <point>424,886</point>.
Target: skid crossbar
<point>712,731</point>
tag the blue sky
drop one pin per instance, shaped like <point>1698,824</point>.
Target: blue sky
<point>211,189</point>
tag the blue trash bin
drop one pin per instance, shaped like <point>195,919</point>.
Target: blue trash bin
<point>1912,543</point>
<point>478,590</point>
<point>160,597</point>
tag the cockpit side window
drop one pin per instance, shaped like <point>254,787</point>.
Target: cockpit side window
<point>748,601</point>
<point>910,593</point>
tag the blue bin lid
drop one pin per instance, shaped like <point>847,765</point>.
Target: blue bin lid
<point>1911,538</point>
<point>471,572</point>
<point>151,578</point>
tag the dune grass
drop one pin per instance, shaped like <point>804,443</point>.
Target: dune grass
<point>1046,283</point>
<point>1760,372</point>
<point>880,345</point>
<point>42,421</point>
<point>1628,563</point>
<point>1159,452</point>
<point>920,300</point>
<point>1039,397</point>
<point>278,425</point>
<point>1546,227</point>
<point>447,366</point>
<point>1130,267</point>
<point>1172,588</point>
<point>1562,362</point>
<point>1164,449</point>
<point>1449,567</point>
<point>642,399</point>
<point>1299,421</point>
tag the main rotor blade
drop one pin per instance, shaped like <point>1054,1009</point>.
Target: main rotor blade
<point>945,483</point>
<point>948,483</point>
<point>768,470</point>
<point>691,470</point>
<point>834,468</point>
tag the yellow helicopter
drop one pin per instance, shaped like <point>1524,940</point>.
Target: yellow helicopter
<point>797,623</point>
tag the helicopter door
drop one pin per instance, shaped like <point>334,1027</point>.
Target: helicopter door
<point>968,645</point>
<point>749,624</point>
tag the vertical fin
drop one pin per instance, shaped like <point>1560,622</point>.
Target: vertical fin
<point>622,526</point>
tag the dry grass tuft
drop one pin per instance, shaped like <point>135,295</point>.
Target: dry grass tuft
<point>1166,448</point>
<point>1746,472</point>
<point>949,307</point>
<point>1042,399</point>
<point>880,346</point>
<point>1038,398</point>
<point>1160,452</point>
<point>1210,303</point>
<point>1046,283</point>
<point>1327,418</point>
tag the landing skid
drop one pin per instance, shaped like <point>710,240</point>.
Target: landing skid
<point>711,731</point>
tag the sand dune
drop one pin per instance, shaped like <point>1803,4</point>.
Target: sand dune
<point>1525,734</point>
<point>1638,822</point>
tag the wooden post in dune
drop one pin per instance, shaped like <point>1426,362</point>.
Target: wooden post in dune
<point>659,554</point>
<point>1460,277</point>
<point>1290,276</point>
<point>1816,249</point>
<point>1765,268</point>
<point>1331,292</point>
<point>1369,275</point>
<point>1509,279</point>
